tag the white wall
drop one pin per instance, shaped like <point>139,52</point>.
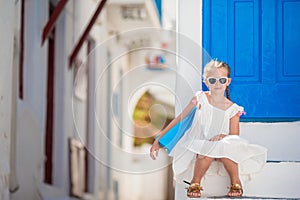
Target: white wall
<point>63,122</point>
<point>31,110</point>
<point>128,73</point>
<point>70,111</point>
<point>7,20</point>
<point>98,115</point>
<point>281,139</point>
<point>29,114</point>
<point>100,123</point>
<point>189,51</point>
<point>131,163</point>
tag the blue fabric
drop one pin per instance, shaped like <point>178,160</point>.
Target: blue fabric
<point>170,139</point>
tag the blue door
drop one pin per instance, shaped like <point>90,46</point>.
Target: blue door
<point>260,40</point>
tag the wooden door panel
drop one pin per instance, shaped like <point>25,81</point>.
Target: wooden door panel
<point>260,41</point>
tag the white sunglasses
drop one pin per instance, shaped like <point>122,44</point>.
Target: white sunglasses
<point>213,80</point>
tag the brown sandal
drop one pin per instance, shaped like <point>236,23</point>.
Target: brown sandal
<point>194,188</point>
<point>235,188</point>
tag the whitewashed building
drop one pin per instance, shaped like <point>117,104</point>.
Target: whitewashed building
<point>68,92</point>
<point>59,78</point>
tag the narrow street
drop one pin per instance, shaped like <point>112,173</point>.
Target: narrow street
<point>87,86</point>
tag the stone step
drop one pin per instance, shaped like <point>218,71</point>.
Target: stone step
<point>276,180</point>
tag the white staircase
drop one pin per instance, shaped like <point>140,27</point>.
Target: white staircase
<point>277,180</point>
<point>280,178</point>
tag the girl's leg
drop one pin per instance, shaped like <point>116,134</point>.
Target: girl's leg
<point>201,166</point>
<point>233,171</point>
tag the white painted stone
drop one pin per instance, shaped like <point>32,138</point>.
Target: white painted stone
<point>281,139</point>
<point>276,180</point>
<point>6,67</point>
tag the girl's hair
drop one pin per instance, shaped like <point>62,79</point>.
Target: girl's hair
<point>217,64</point>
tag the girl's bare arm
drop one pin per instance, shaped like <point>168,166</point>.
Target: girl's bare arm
<point>234,127</point>
<point>181,116</point>
<point>155,147</point>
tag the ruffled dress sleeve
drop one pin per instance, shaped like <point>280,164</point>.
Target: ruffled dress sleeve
<point>236,109</point>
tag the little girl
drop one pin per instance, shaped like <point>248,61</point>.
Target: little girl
<point>213,137</point>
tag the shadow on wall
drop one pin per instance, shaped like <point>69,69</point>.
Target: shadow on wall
<point>30,159</point>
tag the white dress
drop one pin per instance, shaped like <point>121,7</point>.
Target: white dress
<point>208,122</point>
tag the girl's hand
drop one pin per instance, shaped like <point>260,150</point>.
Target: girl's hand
<point>154,150</point>
<point>217,137</point>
